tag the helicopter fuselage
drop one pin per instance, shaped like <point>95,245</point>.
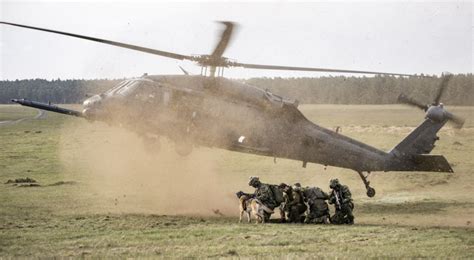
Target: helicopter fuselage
<point>228,114</point>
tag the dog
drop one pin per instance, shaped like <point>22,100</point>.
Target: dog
<point>249,206</point>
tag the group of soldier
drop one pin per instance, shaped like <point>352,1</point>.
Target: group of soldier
<point>304,204</point>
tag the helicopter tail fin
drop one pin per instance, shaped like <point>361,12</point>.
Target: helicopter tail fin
<point>422,163</point>
<point>414,149</point>
<point>431,163</point>
<point>419,141</point>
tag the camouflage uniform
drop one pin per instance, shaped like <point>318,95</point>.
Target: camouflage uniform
<point>318,208</point>
<point>296,207</point>
<point>288,196</point>
<point>345,206</point>
<point>264,194</point>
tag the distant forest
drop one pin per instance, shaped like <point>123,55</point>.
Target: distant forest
<point>323,90</point>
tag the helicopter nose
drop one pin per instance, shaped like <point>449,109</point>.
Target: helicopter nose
<point>91,106</point>
<point>87,112</point>
<point>92,114</point>
<point>92,102</point>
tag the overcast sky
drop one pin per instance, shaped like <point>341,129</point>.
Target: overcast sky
<point>398,37</point>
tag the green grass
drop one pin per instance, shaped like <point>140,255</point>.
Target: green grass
<point>413,215</point>
<point>13,112</point>
<point>165,236</point>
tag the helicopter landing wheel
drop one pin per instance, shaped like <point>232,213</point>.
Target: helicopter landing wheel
<point>370,190</point>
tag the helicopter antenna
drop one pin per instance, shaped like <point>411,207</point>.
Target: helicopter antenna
<point>184,71</point>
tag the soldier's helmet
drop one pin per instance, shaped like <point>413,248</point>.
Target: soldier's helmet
<point>334,183</point>
<point>297,186</point>
<point>254,181</point>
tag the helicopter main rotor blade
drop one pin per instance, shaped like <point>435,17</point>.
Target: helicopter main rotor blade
<point>442,87</point>
<point>409,101</point>
<point>224,41</point>
<point>276,67</point>
<point>114,43</point>
<point>213,60</point>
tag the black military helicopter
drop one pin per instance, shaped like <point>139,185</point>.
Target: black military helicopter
<point>213,111</point>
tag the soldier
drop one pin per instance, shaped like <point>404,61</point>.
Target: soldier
<point>342,200</point>
<point>318,208</point>
<point>293,205</point>
<point>288,196</point>
<point>265,195</point>
<point>296,207</point>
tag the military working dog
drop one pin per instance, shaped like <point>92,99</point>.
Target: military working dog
<point>250,207</point>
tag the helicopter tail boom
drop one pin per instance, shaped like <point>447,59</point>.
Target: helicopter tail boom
<point>412,152</point>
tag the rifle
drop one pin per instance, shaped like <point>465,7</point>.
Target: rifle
<point>338,201</point>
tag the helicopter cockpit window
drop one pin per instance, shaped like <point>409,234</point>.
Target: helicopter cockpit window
<point>124,88</point>
<point>149,92</point>
<point>119,86</point>
<point>129,88</point>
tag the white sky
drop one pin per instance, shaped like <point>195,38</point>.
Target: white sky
<point>400,37</point>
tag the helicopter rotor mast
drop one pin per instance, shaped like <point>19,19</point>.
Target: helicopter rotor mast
<point>213,61</point>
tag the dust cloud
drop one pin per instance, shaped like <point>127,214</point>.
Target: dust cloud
<point>120,175</point>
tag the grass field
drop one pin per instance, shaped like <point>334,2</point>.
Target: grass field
<point>102,195</point>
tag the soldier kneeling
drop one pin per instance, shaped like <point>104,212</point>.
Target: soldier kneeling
<point>288,197</point>
<point>267,195</point>
<point>342,199</point>
<point>318,208</point>
<point>296,207</point>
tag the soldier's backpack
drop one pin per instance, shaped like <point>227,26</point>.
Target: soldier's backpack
<point>277,194</point>
<point>314,193</point>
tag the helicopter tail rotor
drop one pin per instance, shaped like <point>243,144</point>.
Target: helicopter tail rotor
<point>404,99</point>
<point>435,111</point>
<point>457,121</point>
<point>442,87</point>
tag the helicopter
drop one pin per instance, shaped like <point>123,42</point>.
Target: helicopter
<point>213,111</point>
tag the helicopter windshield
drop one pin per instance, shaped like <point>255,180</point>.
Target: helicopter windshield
<point>124,88</point>
<point>128,88</point>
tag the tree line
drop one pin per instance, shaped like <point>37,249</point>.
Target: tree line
<point>55,91</point>
<point>322,90</point>
<point>369,90</point>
